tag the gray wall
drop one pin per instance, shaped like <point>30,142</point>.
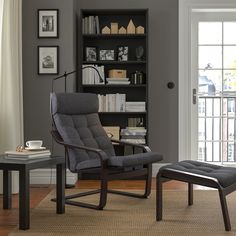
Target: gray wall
<point>163,66</point>
<point>37,88</point>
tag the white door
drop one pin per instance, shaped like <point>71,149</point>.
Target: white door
<point>213,86</point>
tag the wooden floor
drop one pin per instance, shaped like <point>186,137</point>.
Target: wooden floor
<point>9,218</point>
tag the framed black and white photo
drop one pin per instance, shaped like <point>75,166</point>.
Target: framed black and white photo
<point>107,55</point>
<point>122,53</point>
<point>48,60</point>
<point>91,53</point>
<point>48,23</point>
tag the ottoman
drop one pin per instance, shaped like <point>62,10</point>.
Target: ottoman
<point>200,173</point>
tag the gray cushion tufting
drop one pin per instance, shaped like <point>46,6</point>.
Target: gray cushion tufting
<point>226,176</point>
<point>76,119</point>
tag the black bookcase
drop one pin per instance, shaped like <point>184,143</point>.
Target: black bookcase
<point>134,92</point>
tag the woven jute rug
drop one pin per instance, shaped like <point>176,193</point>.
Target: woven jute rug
<point>124,216</point>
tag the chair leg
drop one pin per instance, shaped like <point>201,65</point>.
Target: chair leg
<point>148,186</point>
<point>102,200</point>
<point>158,198</point>
<point>103,194</point>
<point>190,194</point>
<point>224,209</point>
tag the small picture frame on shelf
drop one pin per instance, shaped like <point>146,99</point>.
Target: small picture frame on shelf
<point>48,60</point>
<point>122,53</point>
<point>107,55</point>
<point>48,23</point>
<point>91,53</point>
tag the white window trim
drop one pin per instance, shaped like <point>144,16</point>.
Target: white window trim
<point>185,96</point>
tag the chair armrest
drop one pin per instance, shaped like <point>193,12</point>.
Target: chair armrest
<point>102,155</point>
<point>145,148</point>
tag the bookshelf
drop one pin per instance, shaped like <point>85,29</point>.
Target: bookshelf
<point>92,21</point>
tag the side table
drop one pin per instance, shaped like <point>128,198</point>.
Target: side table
<point>24,167</point>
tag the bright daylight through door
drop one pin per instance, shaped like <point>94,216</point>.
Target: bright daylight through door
<point>216,91</point>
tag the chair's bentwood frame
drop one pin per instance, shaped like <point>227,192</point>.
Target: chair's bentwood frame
<point>107,174</point>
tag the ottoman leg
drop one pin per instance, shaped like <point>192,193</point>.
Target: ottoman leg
<point>190,194</point>
<point>224,209</point>
<point>158,198</point>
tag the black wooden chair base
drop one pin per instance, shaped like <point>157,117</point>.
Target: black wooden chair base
<point>194,172</point>
<point>104,191</point>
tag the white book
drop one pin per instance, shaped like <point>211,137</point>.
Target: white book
<point>86,25</point>
<point>118,82</point>
<point>122,102</point>
<point>97,25</point>
<point>118,102</point>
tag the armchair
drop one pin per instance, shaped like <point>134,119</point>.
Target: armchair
<point>89,149</point>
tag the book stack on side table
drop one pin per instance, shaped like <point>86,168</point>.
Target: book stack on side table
<point>27,155</point>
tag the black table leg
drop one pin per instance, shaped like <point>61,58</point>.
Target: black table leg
<point>60,198</point>
<point>24,203</point>
<point>7,189</point>
<point>159,198</point>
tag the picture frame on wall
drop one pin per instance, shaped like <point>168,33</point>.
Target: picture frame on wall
<point>48,23</point>
<point>91,54</point>
<point>107,55</point>
<point>48,60</point>
<point>122,53</point>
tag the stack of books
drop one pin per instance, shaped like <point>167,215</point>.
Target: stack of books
<point>135,106</point>
<point>134,135</point>
<point>118,81</point>
<point>27,155</point>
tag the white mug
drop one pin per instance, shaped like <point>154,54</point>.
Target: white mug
<point>34,144</point>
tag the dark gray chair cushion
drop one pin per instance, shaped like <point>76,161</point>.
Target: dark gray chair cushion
<point>226,176</point>
<point>78,123</point>
<point>134,160</point>
<point>76,119</point>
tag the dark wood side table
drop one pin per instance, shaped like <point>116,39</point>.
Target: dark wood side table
<point>24,167</point>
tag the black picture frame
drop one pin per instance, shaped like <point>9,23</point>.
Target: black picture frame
<point>91,53</point>
<point>48,23</point>
<point>122,53</point>
<point>107,55</point>
<point>48,60</point>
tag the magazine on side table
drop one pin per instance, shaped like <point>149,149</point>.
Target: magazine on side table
<point>27,154</point>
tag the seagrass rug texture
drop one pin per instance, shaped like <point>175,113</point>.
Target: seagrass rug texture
<point>125,216</point>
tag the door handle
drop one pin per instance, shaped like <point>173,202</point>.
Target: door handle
<point>194,96</point>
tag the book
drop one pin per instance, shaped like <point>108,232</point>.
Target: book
<point>27,155</point>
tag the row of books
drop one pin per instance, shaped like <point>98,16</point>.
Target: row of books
<point>91,76</point>
<point>90,25</point>
<point>27,155</point>
<point>112,102</point>
<point>117,103</point>
<point>134,135</point>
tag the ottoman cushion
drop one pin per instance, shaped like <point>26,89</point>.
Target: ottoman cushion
<point>226,176</point>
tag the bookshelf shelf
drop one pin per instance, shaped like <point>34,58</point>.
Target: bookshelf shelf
<point>136,94</point>
<point>123,113</point>
<point>114,86</point>
<point>114,62</point>
<point>114,36</point>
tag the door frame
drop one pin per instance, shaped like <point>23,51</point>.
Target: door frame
<point>186,7</point>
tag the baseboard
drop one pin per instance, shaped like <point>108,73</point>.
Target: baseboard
<point>15,182</point>
<point>48,176</point>
<point>156,167</point>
